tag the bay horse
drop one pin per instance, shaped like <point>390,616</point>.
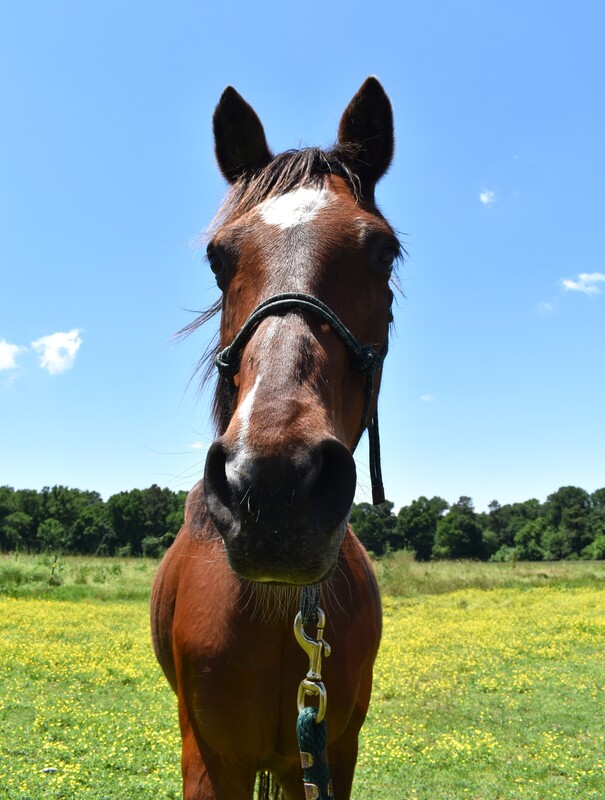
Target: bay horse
<point>303,258</point>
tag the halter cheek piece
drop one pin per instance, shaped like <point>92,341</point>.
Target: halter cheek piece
<point>364,359</point>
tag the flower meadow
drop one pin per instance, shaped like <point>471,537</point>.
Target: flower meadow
<point>85,709</point>
<point>488,695</point>
<point>495,695</point>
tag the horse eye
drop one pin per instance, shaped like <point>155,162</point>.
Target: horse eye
<point>217,265</point>
<point>387,257</point>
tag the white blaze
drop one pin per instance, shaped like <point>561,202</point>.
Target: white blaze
<point>244,412</point>
<point>294,208</point>
<point>246,407</point>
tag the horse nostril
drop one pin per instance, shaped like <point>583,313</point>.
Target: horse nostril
<point>219,496</point>
<point>332,492</point>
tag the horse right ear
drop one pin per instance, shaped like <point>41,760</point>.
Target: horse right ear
<point>365,135</point>
<point>239,137</point>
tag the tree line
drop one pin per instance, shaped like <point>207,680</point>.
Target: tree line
<point>570,524</point>
<point>58,519</point>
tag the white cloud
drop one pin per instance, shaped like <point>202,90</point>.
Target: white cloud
<point>8,354</point>
<point>586,283</point>
<point>427,398</point>
<point>487,197</point>
<point>547,308</point>
<point>198,445</point>
<point>57,352</point>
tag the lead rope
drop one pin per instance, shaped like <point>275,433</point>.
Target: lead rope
<point>311,729</point>
<point>375,468</point>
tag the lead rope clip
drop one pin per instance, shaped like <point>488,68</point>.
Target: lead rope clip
<point>311,684</point>
<point>311,728</point>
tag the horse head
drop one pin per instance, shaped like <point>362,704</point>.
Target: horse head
<point>303,258</point>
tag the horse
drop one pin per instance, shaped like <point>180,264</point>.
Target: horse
<point>304,260</point>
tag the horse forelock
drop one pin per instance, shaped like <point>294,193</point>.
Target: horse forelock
<point>288,171</point>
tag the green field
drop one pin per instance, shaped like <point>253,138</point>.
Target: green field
<point>490,684</point>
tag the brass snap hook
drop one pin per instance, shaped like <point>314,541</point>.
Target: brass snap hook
<point>312,685</point>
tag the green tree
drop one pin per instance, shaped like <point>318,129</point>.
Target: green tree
<point>459,533</point>
<point>417,525</point>
<point>51,535</point>
<point>145,521</point>
<point>504,522</point>
<point>556,545</point>
<point>568,512</point>
<point>154,546</point>
<point>128,515</point>
<point>597,503</point>
<point>7,507</point>
<point>373,525</point>
<point>30,502</point>
<point>528,540</point>
<point>595,551</point>
<point>70,507</point>
<point>7,502</point>
<point>159,505</point>
<point>92,533</point>
<point>18,531</point>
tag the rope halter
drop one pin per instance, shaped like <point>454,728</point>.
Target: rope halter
<point>364,359</point>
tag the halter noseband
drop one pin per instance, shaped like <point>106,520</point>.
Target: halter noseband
<point>364,359</point>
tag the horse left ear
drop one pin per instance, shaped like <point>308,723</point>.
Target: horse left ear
<point>239,138</point>
<point>365,135</point>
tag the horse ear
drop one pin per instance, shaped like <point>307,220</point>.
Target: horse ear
<point>239,137</point>
<point>365,135</point>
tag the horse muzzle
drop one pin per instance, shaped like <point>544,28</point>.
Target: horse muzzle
<point>281,516</point>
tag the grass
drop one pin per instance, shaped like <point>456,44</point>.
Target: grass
<point>80,577</point>
<point>491,695</point>
<point>490,684</point>
<point>76,578</point>
<point>399,575</point>
<point>84,709</point>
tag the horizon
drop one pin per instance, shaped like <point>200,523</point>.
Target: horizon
<point>450,503</point>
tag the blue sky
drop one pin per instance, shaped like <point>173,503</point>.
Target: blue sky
<point>495,381</point>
